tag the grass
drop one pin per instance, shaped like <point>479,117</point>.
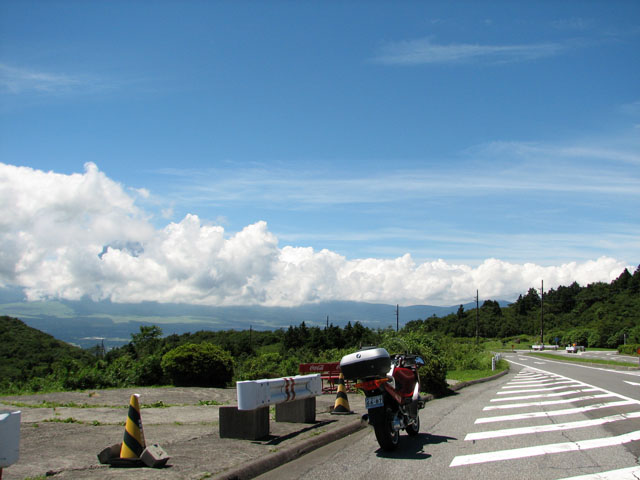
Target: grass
<point>54,405</point>
<point>562,358</point>
<point>468,375</point>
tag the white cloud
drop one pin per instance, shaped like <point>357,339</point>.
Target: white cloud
<point>424,51</point>
<point>67,236</point>
<point>17,80</point>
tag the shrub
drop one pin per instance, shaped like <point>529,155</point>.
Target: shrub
<point>198,365</point>
<point>265,365</point>
<point>433,376</point>
<point>628,349</point>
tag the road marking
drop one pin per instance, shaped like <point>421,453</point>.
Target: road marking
<point>553,402</point>
<point>585,384</point>
<point>526,452</point>
<point>554,427</point>
<point>541,389</point>
<point>632,383</point>
<point>574,364</point>
<point>631,473</point>
<point>567,411</point>
<point>545,395</point>
<point>539,384</point>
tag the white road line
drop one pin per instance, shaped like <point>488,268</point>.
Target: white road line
<point>507,432</point>
<point>632,383</point>
<point>545,395</point>
<point>539,384</point>
<point>546,389</point>
<point>574,364</point>
<point>552,402</point>
<point>585,384</point>
<point>631,473</point>
<point>566,411</point>
<point>526,452</point>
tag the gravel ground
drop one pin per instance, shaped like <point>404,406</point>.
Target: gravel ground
<point>62,433</point>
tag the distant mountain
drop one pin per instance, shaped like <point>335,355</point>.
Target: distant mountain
<point>86,323</point>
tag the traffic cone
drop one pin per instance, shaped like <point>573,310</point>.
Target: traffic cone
<point>341,406</point>
<point>133,443</point>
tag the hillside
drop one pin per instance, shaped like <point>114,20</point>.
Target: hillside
<point>597,315</point>
<point>26,352</point>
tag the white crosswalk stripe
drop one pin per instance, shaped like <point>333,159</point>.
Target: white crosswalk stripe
<point>541,395</point>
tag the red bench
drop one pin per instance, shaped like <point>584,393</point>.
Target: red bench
<point>329,372</point>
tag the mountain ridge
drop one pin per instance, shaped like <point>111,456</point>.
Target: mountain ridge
<point>85,322</point>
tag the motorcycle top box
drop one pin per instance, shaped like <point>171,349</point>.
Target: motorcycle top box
<point>370,362</point>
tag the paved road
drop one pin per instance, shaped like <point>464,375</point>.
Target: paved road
<point>544,420</point>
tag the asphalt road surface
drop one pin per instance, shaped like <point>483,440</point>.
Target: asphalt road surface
<point>545,420</point>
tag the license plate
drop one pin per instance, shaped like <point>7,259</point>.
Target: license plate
<point>373,402</point>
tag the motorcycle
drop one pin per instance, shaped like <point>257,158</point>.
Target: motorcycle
<point>392,391</point>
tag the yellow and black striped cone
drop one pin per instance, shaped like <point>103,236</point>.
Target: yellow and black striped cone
<point>133,443</point>
<point>341,407</point>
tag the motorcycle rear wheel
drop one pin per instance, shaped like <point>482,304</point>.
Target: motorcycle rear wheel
<point>388,438</point>
<point>414,428</point>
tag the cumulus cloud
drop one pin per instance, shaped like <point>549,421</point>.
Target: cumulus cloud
<point>69,236</point>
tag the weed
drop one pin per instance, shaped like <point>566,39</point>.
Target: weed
<point>62,420</point>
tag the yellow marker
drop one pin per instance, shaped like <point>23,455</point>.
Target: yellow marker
<point>342,402</point>
<point>133,443</point>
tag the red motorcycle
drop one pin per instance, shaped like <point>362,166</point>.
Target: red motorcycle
<point>392,391</point>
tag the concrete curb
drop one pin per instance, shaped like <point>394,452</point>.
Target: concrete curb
<point>270,462</point>
<point>263,465</point>
<point>460,385</point>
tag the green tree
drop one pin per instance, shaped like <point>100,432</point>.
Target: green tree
<point>198,365</point>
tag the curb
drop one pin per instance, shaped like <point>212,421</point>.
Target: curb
<point>263,465</point>
<point>461,385</point>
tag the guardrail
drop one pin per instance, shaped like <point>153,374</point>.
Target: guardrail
<point>293,397</point>
<point>494,360</point>
<point>254,394</point>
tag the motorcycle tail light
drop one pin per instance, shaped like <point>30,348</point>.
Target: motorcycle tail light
<point>371,384</point>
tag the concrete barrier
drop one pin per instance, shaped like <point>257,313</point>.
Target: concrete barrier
<point>293,397</point>
<point>244,424</point>
<point>9,438</point>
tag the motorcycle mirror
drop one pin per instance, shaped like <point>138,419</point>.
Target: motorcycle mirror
<point>420,362</point>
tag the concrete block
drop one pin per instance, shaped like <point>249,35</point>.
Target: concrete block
<point>109,453</point>
<point>298,411</point>
<point>154,456</point>
<point>244,424</point>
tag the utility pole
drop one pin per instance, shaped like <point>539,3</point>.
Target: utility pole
<point>542,313</point>
<point>397,317</point>
<point>327,321</point>
<point>477,319</point>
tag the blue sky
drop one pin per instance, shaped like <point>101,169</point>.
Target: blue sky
<point>458,133</point>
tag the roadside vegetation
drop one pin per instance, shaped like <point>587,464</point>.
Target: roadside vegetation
<point>599,315</point>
